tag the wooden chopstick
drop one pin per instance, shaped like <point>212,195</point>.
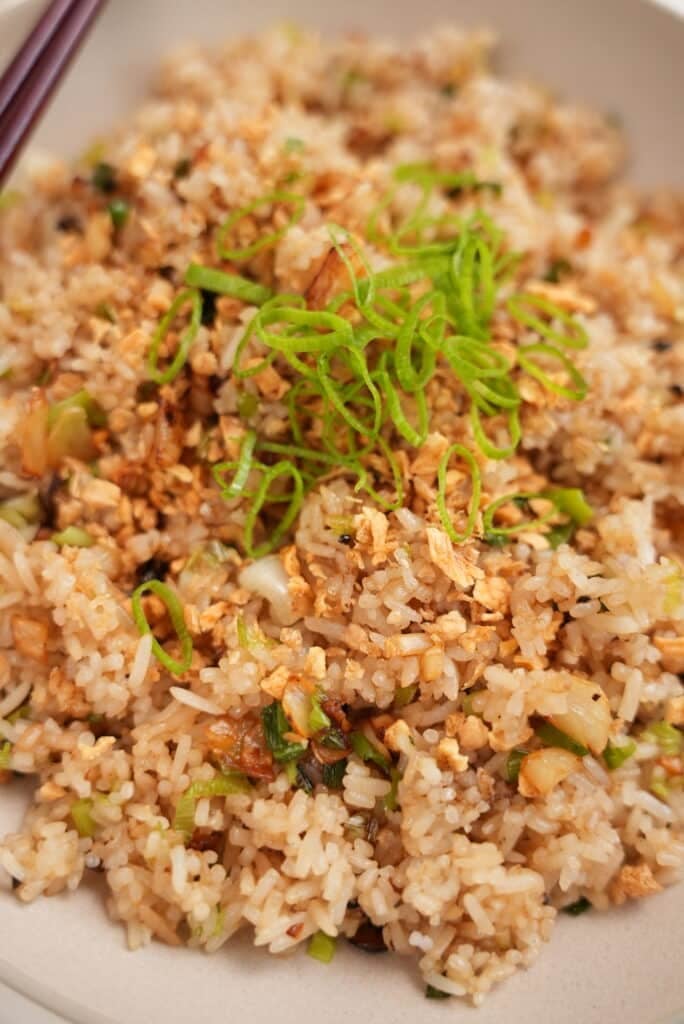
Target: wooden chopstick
<point>37,69</point>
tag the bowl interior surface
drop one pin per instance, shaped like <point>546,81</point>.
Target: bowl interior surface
<point>624,967</point>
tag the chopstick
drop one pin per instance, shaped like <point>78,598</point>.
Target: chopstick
<point>36,70</point>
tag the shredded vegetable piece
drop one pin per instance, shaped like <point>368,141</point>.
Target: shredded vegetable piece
<point>175,610</point>
<point>5,755</point>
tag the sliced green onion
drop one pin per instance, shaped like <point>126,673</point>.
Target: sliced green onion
<point>615,756</point>
<point>194,298</point>
<point>488,447</point>
<point>318,720</point>
<point>512,764</point>
<point>82,817</point>
<point>5,756</point>
<point>210,280</point>
<point>404,695</point>
<point>276,726</point>
<point>553,737</point>
<point>576,393</point>
<point>80,400</point>
<point>73,537</point>
<point>226,784</point>
<point>476,485</point>
<point>525,308</point>
<point>390,802</point>
<point>660,788</point>
<point>321,947</point>
<point>175,609</point>
<point>261,498</point>
<point>571,501</point>
<point>668,738</point>
<point>242,468</point>
<point>119,211</point>
<point>225,252</point>
<point>364,749</point>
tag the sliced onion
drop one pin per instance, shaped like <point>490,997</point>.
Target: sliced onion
<point>267,578</point>
<point>296,702</point>
<point>542,770</point>
<point>588,718</point>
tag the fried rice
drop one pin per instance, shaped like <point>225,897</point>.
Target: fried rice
<point>492,727</point>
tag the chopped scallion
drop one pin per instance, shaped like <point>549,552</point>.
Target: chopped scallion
<point>175,609</point>
<point>553,737</point>
<point>321,947</point>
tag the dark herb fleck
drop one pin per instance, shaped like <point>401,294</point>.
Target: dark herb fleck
<point>369,938</point>
<point>334,773</point>
<point>448,89</point>
<point>346,538</point>
<point>577,908</point>
<point>182,168</point>
<point>557,270</point>
<point>146,391</point>
<point>104,178</point>
<point>661,345</point>
<point>167,272</point>
<point>435,993</point>
<point>208,308</point>
<point>152,569</point>
<point>69,223</point>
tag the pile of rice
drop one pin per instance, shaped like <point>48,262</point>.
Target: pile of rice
<point>467,873</point>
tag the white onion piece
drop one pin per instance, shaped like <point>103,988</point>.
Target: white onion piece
<point>267,578</point>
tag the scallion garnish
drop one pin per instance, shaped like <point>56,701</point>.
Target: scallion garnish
<point>321,947</point>
<point>511,768</point>
<point>5,755</point>
<point>226,784</point>
<point>364,749</point>
<point>667,736</point>
<point>192,297</point>
<point>175,609</point>
<point>240,255</point>
<point>476,484</point>
<point>210,280</point>
<point>73,536</point>
<point>82,816</point>
<point>119,211</point>
<point>276,726</point>
<point>615,756</point>
<point>578,907</point>
<point>553,737</point>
